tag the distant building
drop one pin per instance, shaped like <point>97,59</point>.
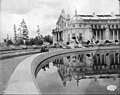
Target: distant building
<point>82,28</point>
<point>21,32</point>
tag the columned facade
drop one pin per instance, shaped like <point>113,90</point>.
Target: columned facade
<point>83,28</point>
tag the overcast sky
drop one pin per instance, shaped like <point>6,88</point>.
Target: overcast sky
<point>46,12</point>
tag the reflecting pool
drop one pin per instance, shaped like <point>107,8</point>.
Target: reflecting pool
<point>81,73</point>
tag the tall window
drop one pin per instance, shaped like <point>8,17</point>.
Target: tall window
<point>98,59</point>
<point>80,37</point>
<point>103,60</point>
<point>98,34</point>
<point>111,58</point>
<point>102,34</point>
<point>116,58</point>
<point>94,34</point>
<point>111,35</point>
<point>115,34</point>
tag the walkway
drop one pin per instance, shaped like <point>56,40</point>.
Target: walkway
<point>7,67</point>
<point>18,83</point>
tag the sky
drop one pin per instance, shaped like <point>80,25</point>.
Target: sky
<point>45,13</point>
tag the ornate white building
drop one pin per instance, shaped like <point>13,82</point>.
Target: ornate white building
<point>83,28</point>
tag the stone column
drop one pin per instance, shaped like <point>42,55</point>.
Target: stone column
<point>118,58</point>
<point>107,33</point>
<point>100,35</point>
<point>53,39</point>
<point>113,35</point>
<point>117,36</point>
<point>114,58</point>
<point>96,36</point>
<point>58,37</point>
<point>97,59</point>
<point>91,34</point>
<point>62,36</point>
<point>110,36</point>
<point>104,35</point>
<point>65,36</point>
<point>100,59</point>
<point>70,36</point>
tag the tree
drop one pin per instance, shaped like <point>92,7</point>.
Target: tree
<point>40,42</point>
<point>32,42</point>
<point>9,42</point>
<point>36,41</point>
<point>20,42</point>
<point>27,43</point>
<point>48,38</point>
<point>5,40</point>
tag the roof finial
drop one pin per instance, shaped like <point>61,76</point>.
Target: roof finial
<point>75,11</point>
<point>23,21</point>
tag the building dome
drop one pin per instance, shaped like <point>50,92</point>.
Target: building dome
<point>76,18</point>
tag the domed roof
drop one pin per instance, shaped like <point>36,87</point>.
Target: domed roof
<point>76,18</point>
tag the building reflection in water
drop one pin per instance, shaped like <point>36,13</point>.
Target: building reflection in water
<point>88,66</point>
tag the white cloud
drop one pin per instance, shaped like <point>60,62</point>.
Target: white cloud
<point>16,6</point>
<point>46,12</point>
<point>104,6</point>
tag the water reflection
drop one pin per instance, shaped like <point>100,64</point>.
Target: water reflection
<point>87,66</point>
<point>83,66</point>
